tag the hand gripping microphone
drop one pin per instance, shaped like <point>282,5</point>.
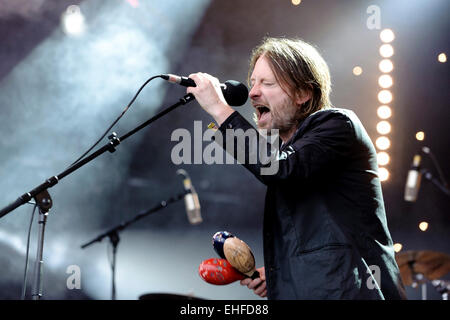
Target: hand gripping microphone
<point>234,92</point>
<point>191,199</point>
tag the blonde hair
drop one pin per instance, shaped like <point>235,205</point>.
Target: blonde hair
<point>298,67</point>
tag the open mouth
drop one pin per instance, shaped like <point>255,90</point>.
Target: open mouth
<point>262,110</point>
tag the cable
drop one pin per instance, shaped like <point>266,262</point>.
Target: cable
<point>115,121</point>
<point>24,285</point>
<point>436,164</point>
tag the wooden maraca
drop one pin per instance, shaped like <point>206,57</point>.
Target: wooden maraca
<point>218,241</point>
<point>236,252</point>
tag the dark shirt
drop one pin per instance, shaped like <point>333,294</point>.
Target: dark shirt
<point>325,230</point>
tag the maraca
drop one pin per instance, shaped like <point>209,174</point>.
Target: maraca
<point>219,272</point>
<point>236,251</point>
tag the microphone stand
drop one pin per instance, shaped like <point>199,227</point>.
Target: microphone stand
<point>41,190</point>
<point>427,174</point>
<point>442,185</point>
<point>44,202</point>
<point>113,142</point>
<point>113,234</point>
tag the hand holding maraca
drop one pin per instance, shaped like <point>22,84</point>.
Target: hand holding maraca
<point>258,285</point>
<point>237,263</point>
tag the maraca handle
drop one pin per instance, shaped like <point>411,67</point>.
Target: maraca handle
<point>255,275</point>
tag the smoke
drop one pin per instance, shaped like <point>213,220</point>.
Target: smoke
<point>24,8</point>
<point>61,98</point>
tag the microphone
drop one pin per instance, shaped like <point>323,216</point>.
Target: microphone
<point>234,92</point>
<point>191,199</point>
<point>413,181</point>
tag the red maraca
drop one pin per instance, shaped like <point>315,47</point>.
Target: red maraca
<point>219,272</point>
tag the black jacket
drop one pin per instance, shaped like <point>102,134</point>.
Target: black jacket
<point>325,230</point>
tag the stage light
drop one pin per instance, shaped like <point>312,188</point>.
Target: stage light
<point>133,3</point>
<point>386,66</point>
<point>383,127</point>
<point>384,112</point>
<point>386,50</point>
<point>420,135</point>
<point>385,81</point>
<point>398,247</point>
<point>383,143</point>
<point>383,173</point>
<point>296,2</point>
<point>442,57</point>
<point>387,35</point>
<point>423,226</point>
<point>383,158</point>
<point>72,21</point>
<point>384,96</point>
<point>357,70</point>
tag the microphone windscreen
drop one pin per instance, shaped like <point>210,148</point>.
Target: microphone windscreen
<point>218,241</point>
<point>218,272</point>
<point>236,93</point>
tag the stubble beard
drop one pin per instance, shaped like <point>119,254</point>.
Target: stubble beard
<point>283,118</point>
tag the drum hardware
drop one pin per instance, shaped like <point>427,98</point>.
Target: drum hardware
<point>420,267</point>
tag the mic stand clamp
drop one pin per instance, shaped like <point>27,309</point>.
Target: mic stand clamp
<point>113,142</point>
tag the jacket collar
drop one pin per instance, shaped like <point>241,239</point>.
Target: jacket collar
<point>303,127</point>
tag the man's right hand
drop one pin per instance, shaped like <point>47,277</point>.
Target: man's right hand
<point>209,96</point>
<point>258,285</point>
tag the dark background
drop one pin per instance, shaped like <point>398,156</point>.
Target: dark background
<point>59,93</point>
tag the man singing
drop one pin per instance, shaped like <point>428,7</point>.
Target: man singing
<point>325,230</point>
